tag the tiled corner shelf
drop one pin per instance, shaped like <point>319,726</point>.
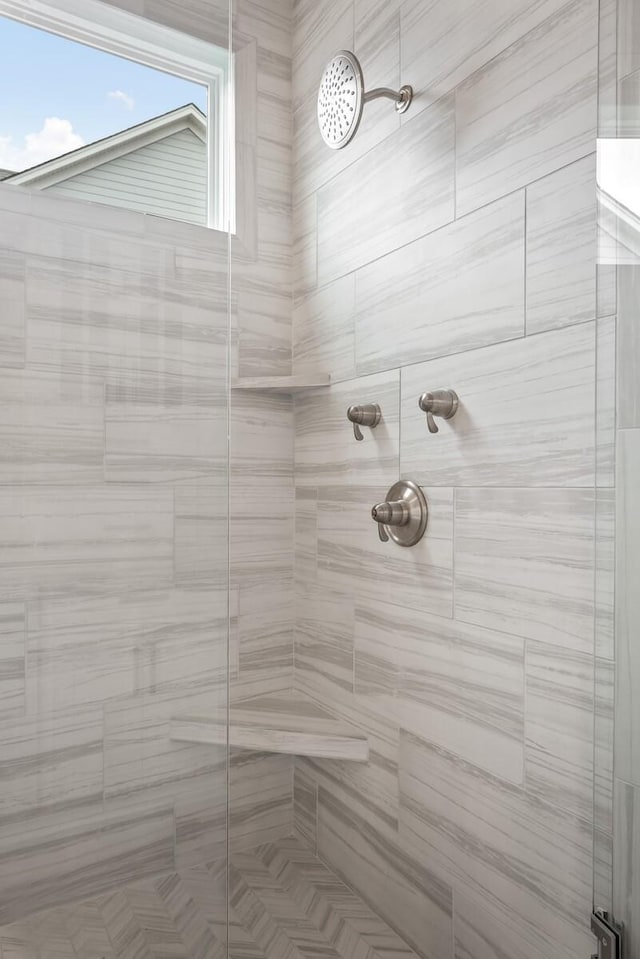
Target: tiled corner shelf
<point>297,383</point>
<point>277,723</point>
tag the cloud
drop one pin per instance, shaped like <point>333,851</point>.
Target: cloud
<point>56,137</point>
<point>127,102</point>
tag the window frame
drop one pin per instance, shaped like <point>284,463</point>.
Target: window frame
<point>112,30</point>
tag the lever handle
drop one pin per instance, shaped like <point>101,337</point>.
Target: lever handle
<point>368,415</point>
<point>443,403</point>
<point>382,533</point>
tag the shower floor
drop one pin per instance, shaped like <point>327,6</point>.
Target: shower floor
<point>283,903</point>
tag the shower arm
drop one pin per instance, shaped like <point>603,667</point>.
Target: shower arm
<point>399,97</point>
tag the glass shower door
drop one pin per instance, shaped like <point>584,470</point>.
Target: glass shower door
<point>617,693</point>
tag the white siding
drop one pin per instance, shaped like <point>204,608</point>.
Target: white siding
<point>167,178</point>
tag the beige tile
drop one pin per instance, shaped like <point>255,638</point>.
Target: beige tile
<point>530,110</point>
<point>526,415</point>
<point>305,801</point>
<point>259,815</point>
<point>411,305</point>
<point>524,563</point>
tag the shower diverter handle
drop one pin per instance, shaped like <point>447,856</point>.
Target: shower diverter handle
<point>368,415</point>
<point>395,513</point>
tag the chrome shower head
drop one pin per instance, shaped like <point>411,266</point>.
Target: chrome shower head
<point>342,97</point>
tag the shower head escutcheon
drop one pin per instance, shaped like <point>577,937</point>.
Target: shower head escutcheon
<point>342,97</point>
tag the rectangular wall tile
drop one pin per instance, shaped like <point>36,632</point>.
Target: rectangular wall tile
<point>52,428</point>
<point>628,351</point>
<point>411,305</point>
<point>482,930</point>
<point>526,415</point>
<point>12,296</point>
<point>159,430</point>
<point>96,537</point>
<point>561,247</point>
<point>406,186</point>
<point>55,859</point>
<point>200,533</point>
<point>264,813</point>
<point>324,330</point>
<point>326,450</point>
<point>12,660</point>
<point>400,888</point>
<point>530,859</point>
<point>324,639</point>
<point>627,749</point>
<point>530,110</point>
<point>459,686</point>
<point>262,436</point>
<point>85,650</point>
<point>559,728</point>
<point>524,563</point>
<point>305,803</point>
<point>351,554</point>
<point>50,761</point>
<point>445,41</point>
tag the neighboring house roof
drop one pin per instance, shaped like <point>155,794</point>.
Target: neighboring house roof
<point>91,155</point>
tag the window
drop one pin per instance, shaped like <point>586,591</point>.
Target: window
<point>101,105</point>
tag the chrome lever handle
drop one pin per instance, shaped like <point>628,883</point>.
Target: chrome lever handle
<point>368,415</point>
<point>442,403</point>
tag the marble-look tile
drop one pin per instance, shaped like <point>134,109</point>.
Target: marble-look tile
<point>529,859</point>
<point>259,814</point>
<point>605,547</point>
<point>52,428</point>
<point>96,537</point>
<point>12,660</point>
<point>12,296</point>
<point>629,105</point>
<point>626,858</point>
<point>201,816</point>
<point>526,415</point>
<point>324,330</point>
<point>326,449</point>
<point>319,31</point>
<point>530,110</point>
<point>627,616</point>
<point>143,767</point>
<point>351,554</point>
<point>400,888</point>
<point>265,630</point>
<point>305,807</point>
<point>406,186</point>
<point>262,436</point>
<point>160,429</point>
<point>561,247</point>
<point>264,319</point>
<point>50,761</point>
<point>608,69</point>
<point>94,318</point>
<point>262,541</point>
<point>201,533</point>
<point>459,686</point>
<point>607,377</point>
<point>306,539</point>
<point>56,858</point>
<point>96,649</point>
<point>411,306</point>
<point>559,747</point>
<point>305,248</point>
<point>324,639</point>
<point>628,38</point>
<point>444,41</point>
<point>483,930</point>
<point>524,563</point>
<point>603,757</point>
<point>628,348</point>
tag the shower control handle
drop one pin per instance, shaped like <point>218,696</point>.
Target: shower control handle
<point>442,403</point>
<point>368,415</point>
<point>390,514</point>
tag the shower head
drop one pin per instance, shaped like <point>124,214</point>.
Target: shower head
<point>342,97</point>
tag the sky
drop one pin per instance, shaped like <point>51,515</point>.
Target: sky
<point>56,95</point>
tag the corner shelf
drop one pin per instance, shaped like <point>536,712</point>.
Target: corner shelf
<point>297,383</point>
<point>277,723</point>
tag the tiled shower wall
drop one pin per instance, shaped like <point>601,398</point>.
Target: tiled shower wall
<point>455,247</point>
